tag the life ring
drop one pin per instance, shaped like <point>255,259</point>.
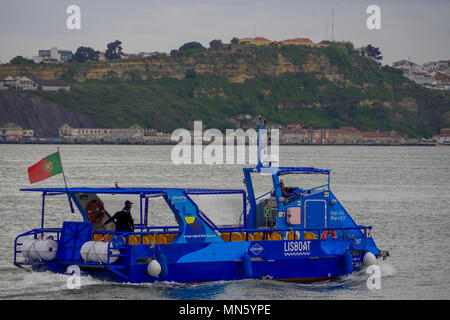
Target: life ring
<point>95,211</point>
<point>327,232</point>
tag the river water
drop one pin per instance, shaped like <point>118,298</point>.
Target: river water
<point>403,192</point>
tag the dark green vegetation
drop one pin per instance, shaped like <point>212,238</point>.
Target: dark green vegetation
<point>361,94</point>
<point>84,54</point>
<point>20,60</point>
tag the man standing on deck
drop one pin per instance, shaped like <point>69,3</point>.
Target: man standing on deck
<point>123,219</point>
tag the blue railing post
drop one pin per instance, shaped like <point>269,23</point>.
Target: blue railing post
<point>43,209</point>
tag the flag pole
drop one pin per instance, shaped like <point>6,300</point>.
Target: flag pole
<point>65,182</point>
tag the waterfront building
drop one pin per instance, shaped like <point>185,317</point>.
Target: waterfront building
<point>344,135</point>
<point>134,133</point>
<point>292,136</point>
<point>53,85</point>
<point>21,83</point>
<point>11,129</point>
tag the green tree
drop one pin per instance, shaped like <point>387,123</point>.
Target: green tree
<point>114,50</point>
<point>191,48</point>
<point>374,52</point>
<point>215,44</point>
<point>234,40</point>
<point>20,60</point>
<point>190,73</point>
<point>174,53</point>
<point>84,54</point>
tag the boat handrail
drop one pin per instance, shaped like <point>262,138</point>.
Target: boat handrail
<point>322,186</point>
<point>318,230</point>
<point>34,232</point>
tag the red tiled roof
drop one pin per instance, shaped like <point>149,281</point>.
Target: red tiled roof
<point>261,39</point>
<point>351,129</point>
<point>291,131</point>
<point>445,78</point>
<point>343,130</point>
<point>298,40</point>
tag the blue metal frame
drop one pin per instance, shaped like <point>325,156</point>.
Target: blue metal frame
<point>198,253</point>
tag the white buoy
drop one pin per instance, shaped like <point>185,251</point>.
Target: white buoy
<point>154,268</point>
<point>369,259</point>
<point>46,249</point>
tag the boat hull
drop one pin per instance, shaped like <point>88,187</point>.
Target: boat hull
<point>298,260</point>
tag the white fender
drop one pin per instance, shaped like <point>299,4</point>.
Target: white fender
<point>369,259</point>
<point>154,268</point>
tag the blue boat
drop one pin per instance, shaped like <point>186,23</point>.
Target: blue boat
<point>289,234</point>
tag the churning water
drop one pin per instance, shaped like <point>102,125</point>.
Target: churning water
<point>403,192</point>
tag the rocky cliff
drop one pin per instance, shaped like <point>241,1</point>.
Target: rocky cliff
<point>41,115</point>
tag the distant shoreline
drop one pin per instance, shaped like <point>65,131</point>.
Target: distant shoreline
<point>205,144</point>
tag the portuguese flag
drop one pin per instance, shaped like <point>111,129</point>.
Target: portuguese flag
<point>47,167</point>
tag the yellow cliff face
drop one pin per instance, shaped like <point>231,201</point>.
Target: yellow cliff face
<point>235,68</point>
<point>36,71</point>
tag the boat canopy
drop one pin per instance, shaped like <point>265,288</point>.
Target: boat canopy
<point>302,170</point>
<point>130,190</point>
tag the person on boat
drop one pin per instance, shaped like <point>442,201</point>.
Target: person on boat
<point>123,219</point>
<point>285,192</point>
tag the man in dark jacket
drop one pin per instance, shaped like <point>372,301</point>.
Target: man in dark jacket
<point>123,219</point>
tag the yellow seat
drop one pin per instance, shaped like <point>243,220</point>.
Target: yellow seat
<point>292,236</point>
<point>148,239</point>
<point>250,237</point>
<point>160,239</point>
<point>107,237</point>
<point>274,236</point>
<point>170,237</point>
<point>258,236</point>
<point>309,236</point>
<point>236,236</point>
<point>225,236</point>
<point>134,240</point>
<point>97,237</point>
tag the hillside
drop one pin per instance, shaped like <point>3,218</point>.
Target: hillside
<point>321,87</point>
<point>34,112</point>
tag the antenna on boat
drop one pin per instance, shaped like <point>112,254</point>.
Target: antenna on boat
<point>65,183</point>
<point>262,132</point>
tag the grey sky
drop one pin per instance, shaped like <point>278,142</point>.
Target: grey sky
<point>410,28</point>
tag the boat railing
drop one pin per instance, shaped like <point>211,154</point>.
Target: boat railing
<point>248,233</point>
<point>325,188</point>
<point>36,233</point>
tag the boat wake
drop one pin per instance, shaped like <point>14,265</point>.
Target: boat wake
<point>20,284</point>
